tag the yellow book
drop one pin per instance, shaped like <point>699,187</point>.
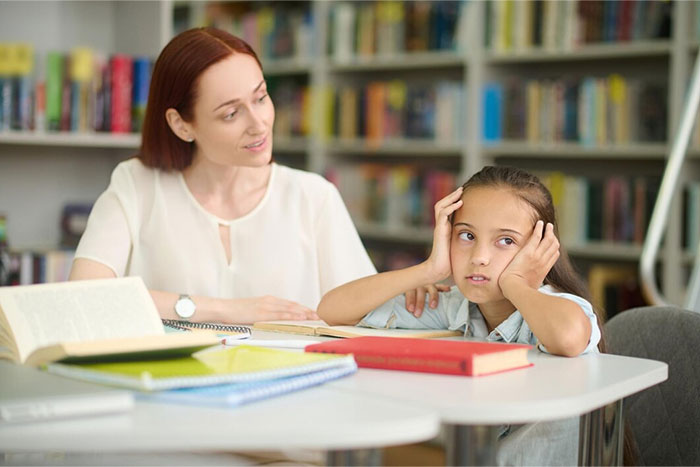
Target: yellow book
<point>320,328</point>
<point>95,319</point>
<point>242,364</point>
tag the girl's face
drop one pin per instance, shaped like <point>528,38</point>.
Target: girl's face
<point>488,230</point>
<point>233,115</point>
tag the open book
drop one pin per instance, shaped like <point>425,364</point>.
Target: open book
<point>320,328</point>
<point>95,319</point>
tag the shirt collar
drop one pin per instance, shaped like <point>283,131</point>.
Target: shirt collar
<point>475,325</point>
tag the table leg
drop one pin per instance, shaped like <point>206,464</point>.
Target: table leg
<point>355,457</point>
<point>601,436</point>
<point>471,445</point>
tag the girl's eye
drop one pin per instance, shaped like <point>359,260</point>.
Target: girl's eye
<point>506,241</point>
<point>262,99</point>
<point>230,115</point>
<point>466,236</point>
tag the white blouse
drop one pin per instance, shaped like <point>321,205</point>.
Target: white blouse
<point>297,243</point>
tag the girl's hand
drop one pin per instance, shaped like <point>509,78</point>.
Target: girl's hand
<point>438,263</point>
<point>415,299</point>
<point>532,264</point>
<point>268,308</point>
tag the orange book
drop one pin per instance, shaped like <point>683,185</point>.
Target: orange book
<point>375,113</point>
<point>465,358</point>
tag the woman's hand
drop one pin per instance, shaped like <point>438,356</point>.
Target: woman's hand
<point>438,262</point>
<point>534,261</point>
<point>415,299</point>
<point>268,308</point>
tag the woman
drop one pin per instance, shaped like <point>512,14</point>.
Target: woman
<point>216,230</point>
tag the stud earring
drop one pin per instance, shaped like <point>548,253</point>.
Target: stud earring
<point>190,140</point>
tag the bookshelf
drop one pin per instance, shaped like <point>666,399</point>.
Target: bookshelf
<point>83,162</point>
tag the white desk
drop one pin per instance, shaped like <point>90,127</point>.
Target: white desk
<point>554,388</point>
<point>335,420</point>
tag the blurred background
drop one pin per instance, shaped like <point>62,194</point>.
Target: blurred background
<point>396,102</point>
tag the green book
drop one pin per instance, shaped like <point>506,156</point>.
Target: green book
<point>209,367</point>
<point>54,88</point>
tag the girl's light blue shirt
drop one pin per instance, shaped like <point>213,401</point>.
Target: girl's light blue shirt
<point>456,313</point>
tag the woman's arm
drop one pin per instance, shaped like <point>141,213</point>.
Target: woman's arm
<point>218,310</point>
<point>558,323</point>
<point>349,303</point>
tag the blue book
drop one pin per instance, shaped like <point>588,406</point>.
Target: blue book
<point>492,101</point>
<point>142,80</point>
<point>235,394</point>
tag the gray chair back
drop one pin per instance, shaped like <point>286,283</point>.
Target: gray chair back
<point>665,419</point>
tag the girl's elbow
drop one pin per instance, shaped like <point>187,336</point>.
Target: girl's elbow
<point>574,342</point>
<point>330,314</point>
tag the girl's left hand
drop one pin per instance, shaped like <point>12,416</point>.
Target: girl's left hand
<point>415,299</point>
<point>532,264</point>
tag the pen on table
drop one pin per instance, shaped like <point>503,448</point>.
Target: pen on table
<point>281,343</point>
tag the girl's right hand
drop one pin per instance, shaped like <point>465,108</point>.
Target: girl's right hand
<point>269,308</point>
<point>439,261</point>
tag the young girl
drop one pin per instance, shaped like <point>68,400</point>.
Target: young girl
<point>497,237</point>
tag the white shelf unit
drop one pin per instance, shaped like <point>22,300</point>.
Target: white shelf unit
<point>40,172</point>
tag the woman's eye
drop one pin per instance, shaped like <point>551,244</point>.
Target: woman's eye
<point>466,236</point>
<point>230,115</point>
<point>506,241</point>
<point>262,99</point>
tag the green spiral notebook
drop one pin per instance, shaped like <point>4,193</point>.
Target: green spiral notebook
<point>232,365</point>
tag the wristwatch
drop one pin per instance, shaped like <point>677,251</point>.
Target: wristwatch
<point>185,307</point>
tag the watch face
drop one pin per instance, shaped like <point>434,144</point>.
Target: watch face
<point>184,307</point>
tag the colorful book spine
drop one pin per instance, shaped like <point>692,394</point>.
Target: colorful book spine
<point>142,80</point>
<point>122,82</point>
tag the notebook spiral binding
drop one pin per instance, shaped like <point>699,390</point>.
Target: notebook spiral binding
<point>188,326</point>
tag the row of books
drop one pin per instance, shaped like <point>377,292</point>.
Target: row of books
<point>593,111</point>
<point>396,196</point>
<point>517,25</point>
<point>391,259</point>
<point>293,107</point>
<point>79,91</point>
<point>614,288</point>
<point>35,267</point>
<point>610,209</point>
<point>398,109</point>
<point>280,30</point>
<point>392,27</point>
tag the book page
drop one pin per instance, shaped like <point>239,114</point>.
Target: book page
<point>46,314</point>
<point>356,331</point>
<point>305,327</point>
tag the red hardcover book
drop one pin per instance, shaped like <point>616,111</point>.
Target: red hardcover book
<point>122,81</point>
<point>465,358</point>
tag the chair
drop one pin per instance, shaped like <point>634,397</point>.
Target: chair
<point>665,419</point>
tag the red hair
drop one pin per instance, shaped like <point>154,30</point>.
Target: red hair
<point>174,85</point>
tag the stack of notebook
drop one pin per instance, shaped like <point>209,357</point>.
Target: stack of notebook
<point>219,377</point>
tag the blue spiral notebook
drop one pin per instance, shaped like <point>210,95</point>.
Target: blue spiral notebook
<point>233,395</point>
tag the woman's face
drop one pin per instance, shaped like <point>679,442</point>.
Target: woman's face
<point>233,114</point>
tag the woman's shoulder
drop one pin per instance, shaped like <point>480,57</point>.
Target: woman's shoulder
<point>133,168</point>
<point>134,172</point>
<point>305,183</point>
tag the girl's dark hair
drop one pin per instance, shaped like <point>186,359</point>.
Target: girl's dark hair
<point>532,191</point>
<point>174,85</point>
<point>562,276</point>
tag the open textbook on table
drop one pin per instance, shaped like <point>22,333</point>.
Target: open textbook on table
<point>93,319</point>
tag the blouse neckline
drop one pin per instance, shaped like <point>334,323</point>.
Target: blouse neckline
<point>228,222</point>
